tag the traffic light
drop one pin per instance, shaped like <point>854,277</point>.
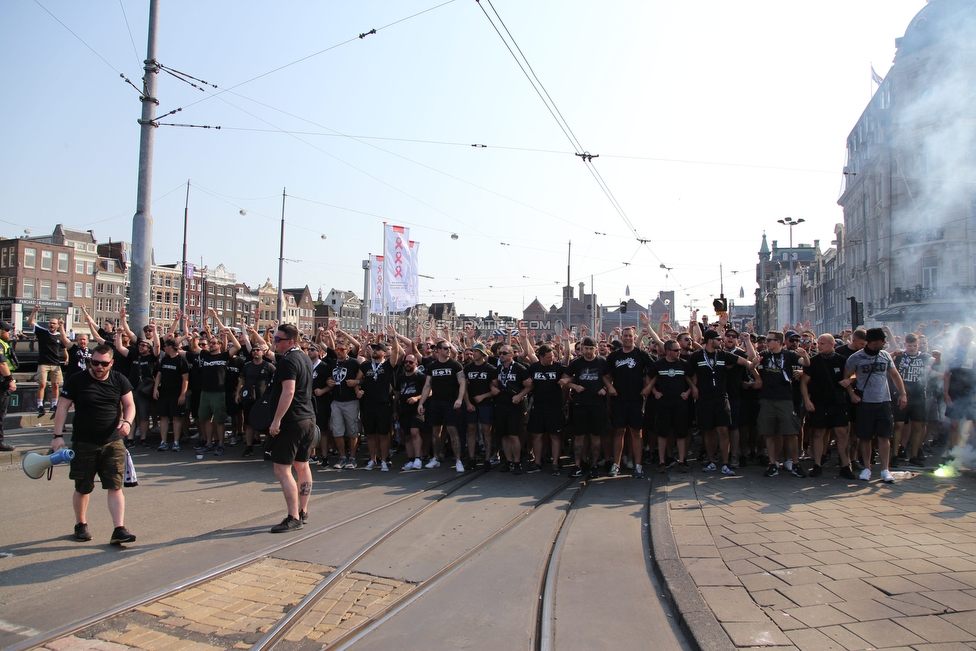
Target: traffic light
<point>857,313</point>
<point>623,307</point>
<point>720,305</point>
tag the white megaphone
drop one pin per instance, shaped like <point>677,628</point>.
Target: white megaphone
<point>35,464</point>
<point>316,439</point>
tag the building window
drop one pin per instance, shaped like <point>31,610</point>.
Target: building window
<point>88,290</point>
<point>79,266</point>
<point>30,258</point>
<point>210,303</point>
<point>63,263</point>
<point>100,305</point>
<point>45,293</point>
<point>169,281</point>
<point>47,260</point>
<point>62,291</point>
<point>90,268</point>
<point>213,290</point>
<point>110,266</point>
<point>159,297</point>
<point>79,246</point>
<point>76,314</point>
<point>168,297</point>
<point>28,288</point>
<point>118,289</point>
<point>3,286</point>
<point>3,258</point>
<point>193,300</point>
<point>79,289</point>
<point>220,291</point>
<point>930,273</point>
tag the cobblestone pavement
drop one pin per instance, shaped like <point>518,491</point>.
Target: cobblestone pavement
<point>234,610</point>
<point>825,564</point>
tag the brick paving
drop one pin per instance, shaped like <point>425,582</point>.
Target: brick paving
<point>823,564</point>
<point>235,610</point>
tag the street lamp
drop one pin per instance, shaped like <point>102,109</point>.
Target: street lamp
<point>789,221</point>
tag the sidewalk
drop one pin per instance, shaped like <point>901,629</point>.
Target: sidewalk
<point>817,564</point>
<point>28,432</point>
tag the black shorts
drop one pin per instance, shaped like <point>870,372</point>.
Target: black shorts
<point>231,405</point>
<point>168,406</point>
<point>626,413</point>
<point>915,412</point>
<point>144,405</point>
<point>377,418</point>
<point>508,419</point>
<point>440,412</point>
<point>588,419</point>
<point>105,460</point>
<point>409,418</point>
<point>650,414</point>
<point>828,417</point>
<point>874,419</point>
<point>749,413</point>
<point>963,407</point>
<point>292,443</point>
<point>546,420</point>
<point>713,413</point>
<point>671,421</point>
<point>735,412</point>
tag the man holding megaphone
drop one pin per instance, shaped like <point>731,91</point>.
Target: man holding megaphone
<point>99,395</point>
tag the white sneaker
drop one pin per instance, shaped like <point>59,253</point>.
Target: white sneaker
<point>384,467</point>
<point>459,466</point>
<point>887,477</point>
<point>865,475</point>
<point>176,446</point>
<point>407,466</point>
<point>162,447</point>
<point>788,465</point>
<point>433,463</point>
<point>371,465</point>
<point>418,463</point>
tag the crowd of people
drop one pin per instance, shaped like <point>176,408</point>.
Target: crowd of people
<point>661,396</point>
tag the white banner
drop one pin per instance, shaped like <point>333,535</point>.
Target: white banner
<point>397,269</point>
<point>413,279</point>
<point>375,299</point>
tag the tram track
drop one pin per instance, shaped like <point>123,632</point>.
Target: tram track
<point>234,566</point>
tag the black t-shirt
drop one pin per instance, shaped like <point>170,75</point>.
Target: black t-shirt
<point>193,359</point>
<point>589,375</point>
<point>672,380</point>
<point>377,382</point>
<point>776,373</point>
<point>712,371</point>
<point>294,365</point>
<point>232,374</point>
<point>510,381</point>
<point>321,374</point>
<point>141,367</point>
<point>826,373</point>
<point>256,378</point>
<point>97,406</point>
<point>736,376</point>
<point>213,370</point>
<point>961,363</point>
<point>50,348</point>
<point>479,377</point>
<point>443,379</point>
<point>844,350</point>
<point>409,386</point>
<point>348,369</point>
<point>912,369</point>
<point>546,391</point>
<point>627,371</point>
<point>170,372</point>
<point>78,358</point>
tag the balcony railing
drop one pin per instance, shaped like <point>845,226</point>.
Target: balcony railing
<point>922,236</point>
<point>918,293</point>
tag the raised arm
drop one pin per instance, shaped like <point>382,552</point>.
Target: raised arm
<point>91,325</point>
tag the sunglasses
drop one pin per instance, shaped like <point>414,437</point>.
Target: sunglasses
<point>806,341</point>
<point>98,362</point>
<point>277,339</point>
<point>443,348</point>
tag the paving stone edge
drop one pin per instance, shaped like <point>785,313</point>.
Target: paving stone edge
<point>694,616</point>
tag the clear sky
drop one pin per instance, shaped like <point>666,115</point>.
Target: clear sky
<point>711,121</point>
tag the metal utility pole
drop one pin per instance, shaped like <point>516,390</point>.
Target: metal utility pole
<point>281,262</point>
<point>569,289</point>
<point>186,219</point>
<point>140,273</point>
<point>789,221</point>
<point>366,296</point>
